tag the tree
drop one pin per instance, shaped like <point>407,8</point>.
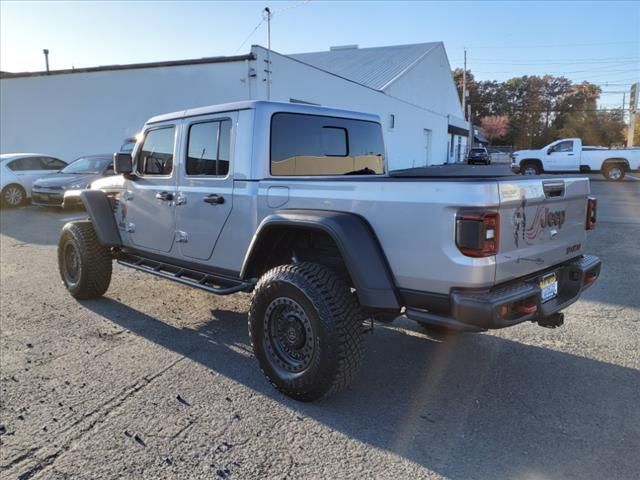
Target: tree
<point>494,127</point>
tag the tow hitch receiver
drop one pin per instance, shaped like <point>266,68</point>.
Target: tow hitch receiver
<point>552,321</point>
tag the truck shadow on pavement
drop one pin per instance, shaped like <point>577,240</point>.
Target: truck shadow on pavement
<point>466,406</point>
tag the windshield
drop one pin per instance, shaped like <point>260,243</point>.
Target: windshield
<point>88,165</point>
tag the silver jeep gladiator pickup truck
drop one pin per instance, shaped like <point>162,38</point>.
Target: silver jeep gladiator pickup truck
<point>295,204</point>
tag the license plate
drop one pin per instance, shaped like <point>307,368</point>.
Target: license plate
<point>549,286</point>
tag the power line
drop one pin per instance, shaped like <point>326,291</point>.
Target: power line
<point>250,35</point>
<point>286,9</point>
<point>555,45</point>
<point>551,62</point>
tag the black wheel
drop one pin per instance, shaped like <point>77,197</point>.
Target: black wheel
<point>530,168</point>
<point>84,264</point>
<point>614,172</point>
<point>13,196</point>
<point>306,330</point>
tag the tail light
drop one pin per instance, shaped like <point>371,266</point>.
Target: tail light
<point>592,207</point>
<point>478,233</point>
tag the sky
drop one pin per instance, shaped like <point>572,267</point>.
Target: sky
<point>582,40</point>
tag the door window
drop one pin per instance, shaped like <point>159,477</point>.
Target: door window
<point>156,154</point>
<point>566,146</point>
<point>208,150</point>
<point>51,163</point>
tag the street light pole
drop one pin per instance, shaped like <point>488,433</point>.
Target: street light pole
<point>46,58</point>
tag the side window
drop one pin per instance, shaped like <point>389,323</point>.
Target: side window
<point>27,163</point>
<point>208,151</point>
<point>51,163</point>
<point>318,145</point>
<point>16,165</point>
<point>156,154</point>
<point>566,146</point>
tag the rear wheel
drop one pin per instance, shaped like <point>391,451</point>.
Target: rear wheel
<point>13,196</point>
<point>614,172</point>
<point>84,264</point>
<point>530,168</point>
<point>306,330</point>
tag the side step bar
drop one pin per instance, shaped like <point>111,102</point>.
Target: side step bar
<point>202,280</point>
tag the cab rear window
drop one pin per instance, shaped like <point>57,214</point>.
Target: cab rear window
<point>312,145</point>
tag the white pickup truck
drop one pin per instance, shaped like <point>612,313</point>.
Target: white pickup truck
<point>569,155</point>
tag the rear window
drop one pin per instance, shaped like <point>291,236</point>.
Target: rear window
<point>313,145</point>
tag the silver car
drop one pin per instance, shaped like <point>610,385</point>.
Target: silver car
<point>18,172</point>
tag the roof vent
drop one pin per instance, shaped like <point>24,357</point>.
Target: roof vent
<point>343,47</point>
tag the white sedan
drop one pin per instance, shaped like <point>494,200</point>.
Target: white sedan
<point>18,171</point>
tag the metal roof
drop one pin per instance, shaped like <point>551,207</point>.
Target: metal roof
<point>375,67</point>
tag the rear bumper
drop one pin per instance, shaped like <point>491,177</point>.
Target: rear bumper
<point>477,310</point>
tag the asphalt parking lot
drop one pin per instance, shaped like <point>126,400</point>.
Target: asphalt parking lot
<point>156,380</point>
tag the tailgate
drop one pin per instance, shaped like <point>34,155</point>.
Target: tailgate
<point>542,223</point>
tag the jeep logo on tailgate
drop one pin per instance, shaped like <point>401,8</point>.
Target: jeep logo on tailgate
<point>542,219</point>
<point>545,218</point>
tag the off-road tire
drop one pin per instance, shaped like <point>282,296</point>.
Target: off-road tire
<point>608,172</point>
<point>13,196</point>
<point>84,264</point>
<point>333,329</point>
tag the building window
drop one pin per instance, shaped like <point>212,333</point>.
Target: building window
<point>208,150</point>
<point>318,145</point>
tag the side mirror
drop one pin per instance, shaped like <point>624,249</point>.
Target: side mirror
<point>550,151</point>
<point>122,163</point>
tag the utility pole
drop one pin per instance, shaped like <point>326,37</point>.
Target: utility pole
<point>267,12</point>
<point>46,59</point>
<point>633,105</point>
<point>472,133</point>
<point>464,85</point>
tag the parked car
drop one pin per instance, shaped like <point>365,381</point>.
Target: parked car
<point>569,155</point>
<point>18,171</point>
<point>128,144</point>
<point>478,155</point>
<point>78,175</point>
<point>295,204</point>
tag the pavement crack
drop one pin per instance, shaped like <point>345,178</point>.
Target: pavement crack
<point>101,413</point>
<point>19,459</point>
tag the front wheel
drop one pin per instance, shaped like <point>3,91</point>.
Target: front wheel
<point>530,168</point>
<point>614,172</point>
<point>13,196</point>
<point>305,326</point>
<point>84,264</point>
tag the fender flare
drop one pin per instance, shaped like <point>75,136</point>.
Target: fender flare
<point>357,243</point>
<point>100,211</point>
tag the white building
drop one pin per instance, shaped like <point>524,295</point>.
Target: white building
<point>68,113</point>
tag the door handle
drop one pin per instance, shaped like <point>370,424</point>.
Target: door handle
<point>571,154</point>
<point>165,196</point>
<point>214,199</point>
